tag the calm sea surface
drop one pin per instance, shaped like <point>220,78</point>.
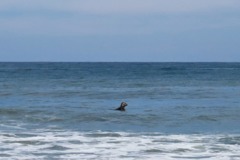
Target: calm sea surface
<point>66,111</point>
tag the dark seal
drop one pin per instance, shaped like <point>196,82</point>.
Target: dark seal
<point>122,106</point>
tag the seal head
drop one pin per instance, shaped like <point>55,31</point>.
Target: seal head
<point>122,106</point>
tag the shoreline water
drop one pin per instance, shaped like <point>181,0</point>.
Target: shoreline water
<point>58,144</point>
<point>66,111</point>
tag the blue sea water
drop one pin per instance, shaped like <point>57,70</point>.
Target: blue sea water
<point>66,111</point>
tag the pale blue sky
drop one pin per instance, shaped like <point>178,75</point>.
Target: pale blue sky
<point>120,30</point>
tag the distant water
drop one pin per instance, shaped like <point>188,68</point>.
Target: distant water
<point>66,111</point>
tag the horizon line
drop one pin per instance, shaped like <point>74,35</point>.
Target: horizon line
<point>119,61</point>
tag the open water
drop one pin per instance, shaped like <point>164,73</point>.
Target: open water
<point>66,111</point>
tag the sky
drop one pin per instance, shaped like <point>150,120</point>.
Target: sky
<point>120,30</point>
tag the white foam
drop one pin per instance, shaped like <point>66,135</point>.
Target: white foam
<point>118,145</point>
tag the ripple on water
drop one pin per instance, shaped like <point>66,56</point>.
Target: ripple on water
<point>230,140</point>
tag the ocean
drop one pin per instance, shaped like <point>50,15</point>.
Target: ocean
<point>67,111</point>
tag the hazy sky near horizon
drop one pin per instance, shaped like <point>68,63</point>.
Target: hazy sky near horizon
<point>120,30</point>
